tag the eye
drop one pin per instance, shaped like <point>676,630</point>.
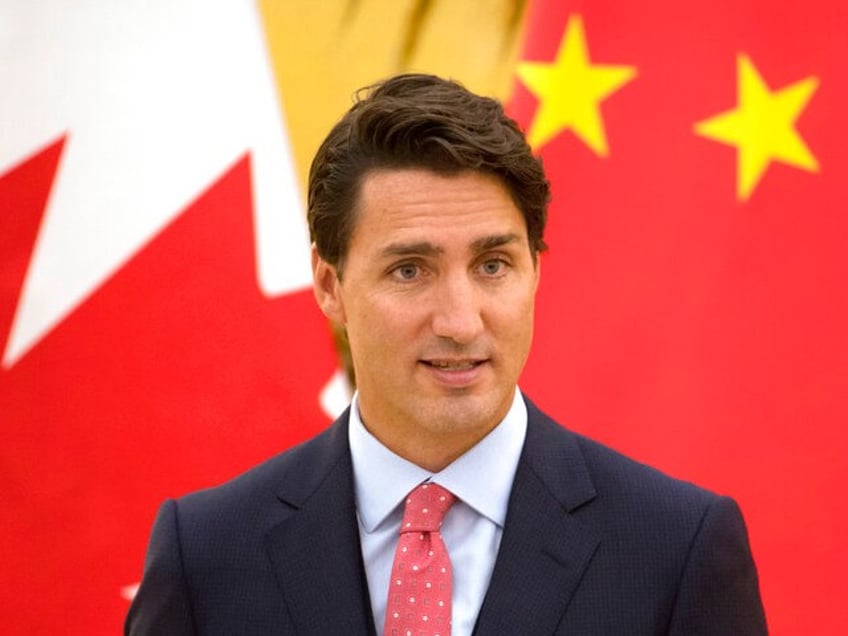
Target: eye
<point>407,271</point>
<point>493,266</point>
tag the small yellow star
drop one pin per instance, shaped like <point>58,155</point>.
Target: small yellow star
<point>570,90</point>
<point>762,127</point>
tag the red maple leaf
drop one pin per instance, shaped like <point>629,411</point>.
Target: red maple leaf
<point>177,373</point>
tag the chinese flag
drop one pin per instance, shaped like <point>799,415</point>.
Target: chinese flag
<point>157,328</point>
<point>693,305</point>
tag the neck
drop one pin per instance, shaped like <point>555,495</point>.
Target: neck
<point>432,452</point>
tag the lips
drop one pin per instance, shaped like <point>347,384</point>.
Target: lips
<point>453,365</point>
<point>455,373</point>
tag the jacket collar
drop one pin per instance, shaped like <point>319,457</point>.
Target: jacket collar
<point>315,549</point>
<point>544,551</point>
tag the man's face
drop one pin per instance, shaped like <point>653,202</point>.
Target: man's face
<point>436,294</point>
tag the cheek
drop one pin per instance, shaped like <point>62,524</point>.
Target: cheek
<point>519,322</point>
<point>375,330</point>
<point>399,317</point>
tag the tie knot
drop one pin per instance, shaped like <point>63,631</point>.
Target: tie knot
<point>425,508</point>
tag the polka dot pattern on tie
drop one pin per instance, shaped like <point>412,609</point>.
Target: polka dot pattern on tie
<point>419,602</point>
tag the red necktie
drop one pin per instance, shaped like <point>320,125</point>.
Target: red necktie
<point>419,602</point>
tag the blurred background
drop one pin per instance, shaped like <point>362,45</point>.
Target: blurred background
<point>157,329</point>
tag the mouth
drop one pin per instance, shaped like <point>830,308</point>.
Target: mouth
<point>456,373</point>
<point>453,365</point>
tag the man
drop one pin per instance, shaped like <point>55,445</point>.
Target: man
<point>427,212</point>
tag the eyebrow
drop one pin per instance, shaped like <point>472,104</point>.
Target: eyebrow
<point>422,248</point>
<point>425,248</point>
<point>491,242</point>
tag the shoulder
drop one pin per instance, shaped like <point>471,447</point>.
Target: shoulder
<point>618,476</point>
<point>207,551</point>
<point>680,550</point>
<point>624,493</point>
<point>290,476</point>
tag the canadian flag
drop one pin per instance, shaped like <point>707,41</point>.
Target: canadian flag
<point>157,329</point>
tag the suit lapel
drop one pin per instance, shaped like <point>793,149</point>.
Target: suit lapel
<point>544,551</point>
<point>315,549</point>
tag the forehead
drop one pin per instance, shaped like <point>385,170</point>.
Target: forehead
<point>418,204</point>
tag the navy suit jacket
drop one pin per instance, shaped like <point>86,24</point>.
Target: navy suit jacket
<point>594,543</point>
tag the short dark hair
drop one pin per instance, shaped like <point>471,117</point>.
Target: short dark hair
<point>419,121</point>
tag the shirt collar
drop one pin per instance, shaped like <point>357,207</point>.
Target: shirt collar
<point>481,478</point>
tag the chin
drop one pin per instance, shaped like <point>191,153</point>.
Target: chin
<point>468,413</point>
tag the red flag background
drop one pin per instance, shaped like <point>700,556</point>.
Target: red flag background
<point>692,312</point>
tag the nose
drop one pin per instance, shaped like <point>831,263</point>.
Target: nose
<point>457,312</point>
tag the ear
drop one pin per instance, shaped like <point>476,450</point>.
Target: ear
<point>325,284</point>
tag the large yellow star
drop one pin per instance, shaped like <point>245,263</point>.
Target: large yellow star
<point>570,90</point>
<point>762,127</point>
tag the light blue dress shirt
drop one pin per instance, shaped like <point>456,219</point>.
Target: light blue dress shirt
<point>482,481</point>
